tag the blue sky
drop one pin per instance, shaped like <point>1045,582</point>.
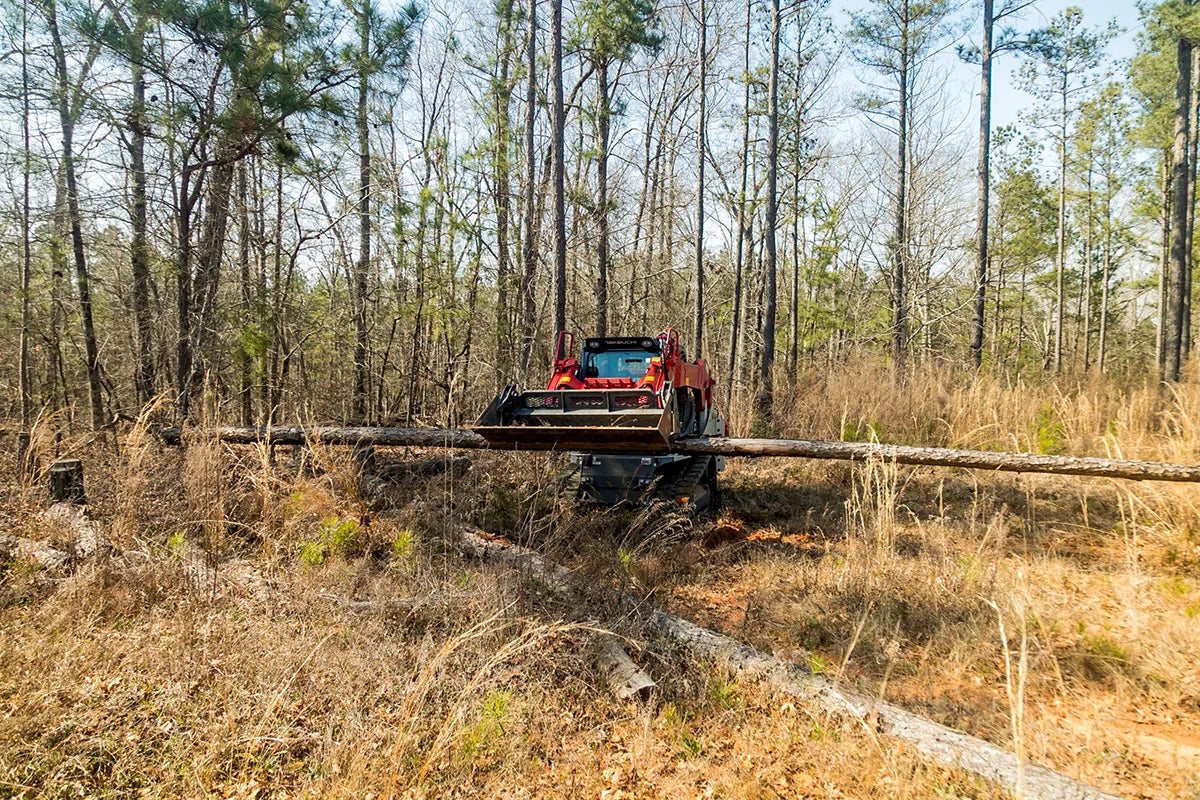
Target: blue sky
<point>1008,100</point>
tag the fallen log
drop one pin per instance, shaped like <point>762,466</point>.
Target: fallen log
<point>752,448</point>
<point>333,435</point>
<point>625,678</point>
<point>944,457</point>
<point>423,469</point>
<point>937,742</point>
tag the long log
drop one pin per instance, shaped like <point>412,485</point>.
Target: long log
<point>334,435</point>
<point>944,457</point>
<point>752,448</point>
<point>937,742</point>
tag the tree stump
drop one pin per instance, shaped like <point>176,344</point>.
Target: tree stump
<point>66,481</point>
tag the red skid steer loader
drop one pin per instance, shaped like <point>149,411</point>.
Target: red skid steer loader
<point>615,408</point>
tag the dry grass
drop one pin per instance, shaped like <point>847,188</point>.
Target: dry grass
<point>208,658</point>
<point>1060,616</point>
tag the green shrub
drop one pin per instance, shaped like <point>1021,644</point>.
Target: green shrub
<point>1050,435</point>
<point>404,544</point>
<point>335,535</point>
<point>311,554</point>
<point>859,430</point>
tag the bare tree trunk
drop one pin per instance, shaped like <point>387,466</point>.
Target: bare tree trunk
<point>183,288</point>
<point>529,250</point>
<point>701,152</point>
<point>604,119</point>
<point>983,181</point>
<point>1193,152</point>
<point>138,255</point>
<point>415,351</point>
<point>25,388</point>
<point>1060,265</point>
<point>735,333</point>
<point>58,274</point>
<point>277,301</point>
<point>358,292</point>
<point>503,198</point>
<point>766,386</point>
<point>728,446</point>
<point>1088,260</point>
<point>557,146</point>
<point>797,212</point>
<point>900,229</point>
<point>74,218</point>
<point>1180,258</point>
<point>1164,257</point>
<point>1106,276</point>
<point>246,391</point>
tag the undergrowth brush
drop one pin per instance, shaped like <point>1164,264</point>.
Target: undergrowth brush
<point>218,650</point>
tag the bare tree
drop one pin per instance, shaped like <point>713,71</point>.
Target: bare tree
<point>766,386</point>
<point>1179,258</point>
<point>986,54</point>
<point>66,96</point>
<point>557,147</point>
<point>529,251</point>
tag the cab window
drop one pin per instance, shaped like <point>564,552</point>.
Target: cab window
<point>618,364</point>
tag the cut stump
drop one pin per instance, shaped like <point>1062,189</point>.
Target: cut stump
<point>66,481</point>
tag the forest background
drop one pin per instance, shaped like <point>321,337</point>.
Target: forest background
<point>381,213</point>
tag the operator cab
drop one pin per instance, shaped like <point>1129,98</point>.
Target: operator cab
<point>618,359</point>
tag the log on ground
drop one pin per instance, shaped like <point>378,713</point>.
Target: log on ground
<point>625,678</point>
<point>753,448</point>
<point>943,457</point>
<point>423,469</point>
<point>937,742</point>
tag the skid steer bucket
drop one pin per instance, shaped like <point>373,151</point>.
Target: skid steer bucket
<point>599,421</point>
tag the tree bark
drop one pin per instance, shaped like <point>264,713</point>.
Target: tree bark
<point>983,180</point>
<point>936,742</point>
<point>358,292</point>
<point>209,254</point>
<point>624,678</point>
<point>1088,261</point>
<point>1164,259</point>
<point>1179,259</point>
<point>502,192</point>
<point>1106,277</point>
<point>701,153</point>
<point>797,213</point>
<point>246,391</point>
<point>74,217</point>
<point>604,120</point>
<point>766,386</point>
<point>24,387</point>
<point>1060,262</point>
<point>138,253</point>
<point>1193,152</point>
<point>557,146</point>
<point>742,249</point>
<point>529,250</point>
<point>900,228</point>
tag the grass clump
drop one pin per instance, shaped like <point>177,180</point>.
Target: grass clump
<point>335,536</point>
